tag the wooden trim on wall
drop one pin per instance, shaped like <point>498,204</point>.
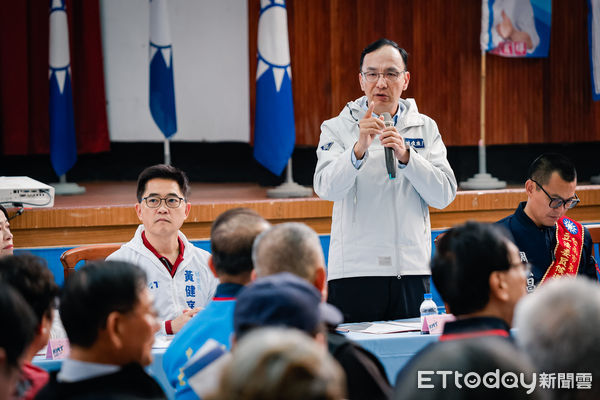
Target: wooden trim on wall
<point>71,226</point>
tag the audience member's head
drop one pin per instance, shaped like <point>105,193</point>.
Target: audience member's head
<point>231,238</point>
<point>283,300</point>
<point>290,247</point>
<point>478,271</point>
<point>479,368</point>
<point>6,247</point>
<point>18,330</point>
<point>276,363</point>
<point>107,312</point>
<point>559,327</point>
<point>550,188</point>
<point>30,276</point>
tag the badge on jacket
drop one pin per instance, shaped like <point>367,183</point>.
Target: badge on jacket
<point>327,146</point>
<point>415,143</point>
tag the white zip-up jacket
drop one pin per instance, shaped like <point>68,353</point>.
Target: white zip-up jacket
<point>193,285</point>
<point>380,226</point>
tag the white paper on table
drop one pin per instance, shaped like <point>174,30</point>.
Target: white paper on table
<point>385,327</point>
<point>408,326</point>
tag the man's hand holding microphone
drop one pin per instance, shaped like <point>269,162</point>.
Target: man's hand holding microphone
<point>371,126</point>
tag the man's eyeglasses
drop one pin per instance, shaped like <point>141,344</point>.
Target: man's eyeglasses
<point>557,202</point>
<point>170,201</point>
<point>390,76</point>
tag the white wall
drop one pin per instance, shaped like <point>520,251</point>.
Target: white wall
<point>210,58</point>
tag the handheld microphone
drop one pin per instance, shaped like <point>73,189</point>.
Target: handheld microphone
<point>390,158</point>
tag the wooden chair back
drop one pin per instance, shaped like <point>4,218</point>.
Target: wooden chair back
<point>71,257</point>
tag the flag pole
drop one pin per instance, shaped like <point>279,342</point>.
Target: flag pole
<point>161,81</point>
<point>289,188</point>
<point>63,146</point>
<point>167,149</point>
<point>482,180</point>
<point>66,188</point>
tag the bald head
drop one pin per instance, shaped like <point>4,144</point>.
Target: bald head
<point>291,247</point>
<point>231,238</point>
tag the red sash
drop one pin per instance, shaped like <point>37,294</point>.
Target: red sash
<point>567,253</point>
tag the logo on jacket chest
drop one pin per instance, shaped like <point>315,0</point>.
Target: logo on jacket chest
<point>190,279</point>
<point>570,226</point>
<point>415,143</point>
<point>326,146</point>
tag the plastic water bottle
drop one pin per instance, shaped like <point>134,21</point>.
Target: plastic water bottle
<point>428,307</point>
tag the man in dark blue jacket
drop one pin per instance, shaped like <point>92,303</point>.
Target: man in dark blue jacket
<point>554,244</point>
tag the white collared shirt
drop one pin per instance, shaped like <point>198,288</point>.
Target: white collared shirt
<point>75,370</point>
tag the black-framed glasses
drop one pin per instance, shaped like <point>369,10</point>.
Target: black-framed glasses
<point>557,202</point>
<point>170,201</point>
<point>390,76</point>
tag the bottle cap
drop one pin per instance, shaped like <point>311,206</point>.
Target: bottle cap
<point>427,296</point>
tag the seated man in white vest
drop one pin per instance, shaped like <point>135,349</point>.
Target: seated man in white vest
<point>177,271</point>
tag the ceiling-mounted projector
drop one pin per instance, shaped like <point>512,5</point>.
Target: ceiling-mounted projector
<point>22,190</point>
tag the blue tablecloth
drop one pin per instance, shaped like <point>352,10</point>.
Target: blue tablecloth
<point>392,349</point>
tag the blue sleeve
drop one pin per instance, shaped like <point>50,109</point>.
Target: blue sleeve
<point>588,265</point>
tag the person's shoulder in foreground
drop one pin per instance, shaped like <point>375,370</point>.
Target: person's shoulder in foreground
<point>107,312</point>
<point>280,363</point>
<point>30,276</point>
<point>558,326</point>
<point>488,367</point>
<point>365,375</point>
<point>18,315</point>
<point>480,276</point>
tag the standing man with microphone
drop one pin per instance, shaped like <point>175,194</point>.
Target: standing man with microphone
<point>381,234</point>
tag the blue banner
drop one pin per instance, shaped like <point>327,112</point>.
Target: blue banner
<point>274,130</point>
<point>162,87</point>
<point>516,28</point>
<point>63,145</point>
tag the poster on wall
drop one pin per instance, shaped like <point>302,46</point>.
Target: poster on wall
<point>516,28</point>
